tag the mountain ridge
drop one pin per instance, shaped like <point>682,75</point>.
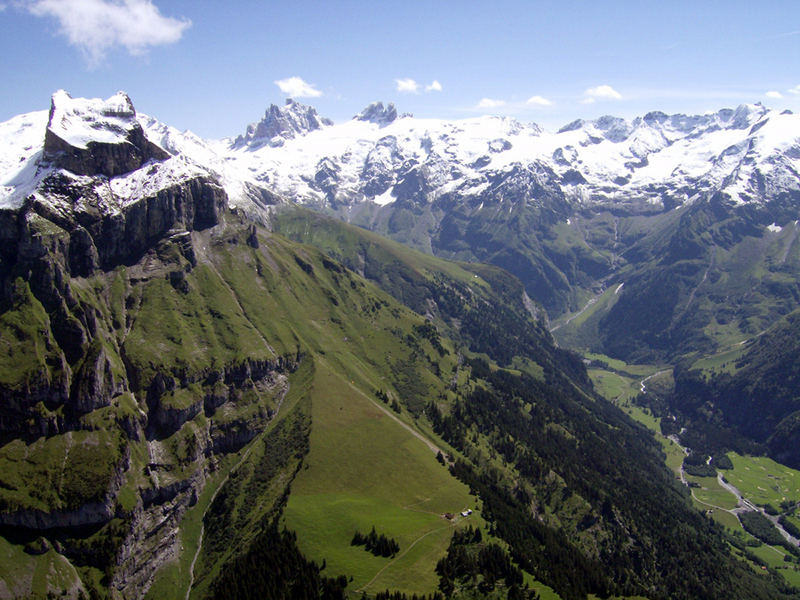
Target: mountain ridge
<point>563,218</point>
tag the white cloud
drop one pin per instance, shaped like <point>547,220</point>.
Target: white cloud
<point>795,90</point>
<point>601,92</point>
<point>295,87</point>
<point>773,94</point>
<point>96,26</point>
<point>407,86</point>
<point>434,86</point>
<point>539,101</point>
<point>491,103</point>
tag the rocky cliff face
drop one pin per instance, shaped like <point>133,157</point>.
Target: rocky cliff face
<point>280,124</point>
<point>122,439</point>
<point>97,138</point>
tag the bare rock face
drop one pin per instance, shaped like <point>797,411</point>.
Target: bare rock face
<point>95,137</point>
<point>107,196</point>
<point>280,124</point>
<point>95,382</point>
<point>104,212</point>
<point>193,204</point>
<point>376,113</point>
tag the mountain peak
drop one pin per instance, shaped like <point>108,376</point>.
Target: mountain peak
<point>572,126</point>
<point>79,121</point>
<point>376,113</point>
<point>91,136</point>
<point>281,123</point>
<point>746,115</point>
<point>614,129</point>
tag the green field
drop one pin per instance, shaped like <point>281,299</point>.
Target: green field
<point>711,493</point>
<point>49,574</point>
<point>613,385</point>
<point>643,416</point>
<point>344,487</point>
<point>763,481</point>
<point>620,365</point>
<point>674,454</point>
<point>723,362</point>
<point>791,575</point>
<point>620,383</point>
<point>727,520</point>
<point>770,555</point>
<point>579,329</point>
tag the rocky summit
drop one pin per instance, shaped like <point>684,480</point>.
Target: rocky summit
<point>280,124</point>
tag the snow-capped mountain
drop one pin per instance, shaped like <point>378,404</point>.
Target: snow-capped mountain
<point>88,167</point>
<point>380,157</point>
<point>281,124</point>
<point>96,144</point>
<point>551,207</point>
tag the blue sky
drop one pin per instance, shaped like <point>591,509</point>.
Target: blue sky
<point>212,67</point>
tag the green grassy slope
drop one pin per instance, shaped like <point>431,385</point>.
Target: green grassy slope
<point>483,308</point>
<point>364,470</point>
<point>185,321</point>
<point>256,383</point>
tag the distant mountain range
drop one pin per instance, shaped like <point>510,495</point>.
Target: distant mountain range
<point>750,154</point>
<point>664,161</point>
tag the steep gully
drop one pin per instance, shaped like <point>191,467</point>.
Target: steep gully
<point>243,458</point>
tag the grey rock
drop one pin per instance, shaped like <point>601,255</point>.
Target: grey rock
<point>100,158</point>
<point>280,124</point>
<point>376,113</point>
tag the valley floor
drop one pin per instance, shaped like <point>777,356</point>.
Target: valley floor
<point>753,483</point>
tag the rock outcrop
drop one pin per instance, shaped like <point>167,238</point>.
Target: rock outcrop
<point>280,124</point>
<point>92,137</point>
<point>378,114</point>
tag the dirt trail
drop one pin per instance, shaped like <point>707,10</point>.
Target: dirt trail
<point>402,554</point>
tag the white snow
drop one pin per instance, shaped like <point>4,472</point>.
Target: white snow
<point>385,198</point>
<point>21,140</point>
<point>79,121</point>
<point>692,156</point>
<point>747,153</point>
<point>774,228</point>
<point>150,179</point>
